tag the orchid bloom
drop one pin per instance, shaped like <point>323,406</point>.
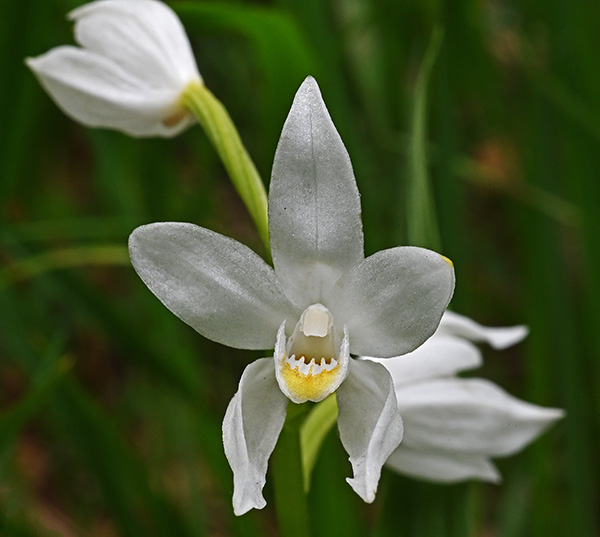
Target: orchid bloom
<point>322,302</point>
<point>453,426</point>
<point>133,66</point>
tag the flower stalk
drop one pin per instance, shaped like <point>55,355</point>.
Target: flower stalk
<point>288,476</point>
<point>216,122</point>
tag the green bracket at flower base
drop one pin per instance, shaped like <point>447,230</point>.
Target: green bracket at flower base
<point>216,122</point>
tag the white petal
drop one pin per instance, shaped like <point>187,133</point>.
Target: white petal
<point>144,37</point>
<point>215,284</point>
<point>439,356</point>
<point>98,93</point>
<point>469,416</point>
<point>253,421</point>
<point>314,204</point>
<point>442,466</point>
<point>369,423</point>
<point>498,337</point>
<point>393,301</point>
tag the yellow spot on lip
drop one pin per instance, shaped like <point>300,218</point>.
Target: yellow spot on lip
<point>309,387</point>
<point>447,260</point>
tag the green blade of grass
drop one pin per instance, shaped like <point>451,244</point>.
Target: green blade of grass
<point>422,227</point>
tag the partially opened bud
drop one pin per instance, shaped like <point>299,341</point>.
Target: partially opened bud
<point>133,66</point>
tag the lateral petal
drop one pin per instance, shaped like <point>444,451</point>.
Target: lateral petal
<point>98,93</point>
<point>215,284</point>
<point>498,337</point>
<point>470,416</point>
<point>393,301</point>
<point>144,37</point>
<point>442,466</point>
<point>314,204</point>
<point>251,427</point>
<point>369,423</point>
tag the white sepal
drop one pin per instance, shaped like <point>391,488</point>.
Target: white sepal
<point>443,466</point>
<point>251,427</point>
<point>369,423</point>
<point>314,204</point>
<point>215,284</point>
<point>469,416</point>
<point>144,37</point>
<point>499,337</point>
<point>439,356</point>
<point>393,301</point>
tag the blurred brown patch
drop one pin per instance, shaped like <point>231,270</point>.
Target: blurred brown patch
<point>496,163</point>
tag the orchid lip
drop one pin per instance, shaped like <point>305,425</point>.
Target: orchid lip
<point>313,362</point>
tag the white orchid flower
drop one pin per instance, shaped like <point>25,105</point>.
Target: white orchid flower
<point>454,426</point>
<point>133,66</point>
<point>322,302</point>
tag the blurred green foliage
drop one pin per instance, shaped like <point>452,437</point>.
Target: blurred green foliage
<point>110,407</point>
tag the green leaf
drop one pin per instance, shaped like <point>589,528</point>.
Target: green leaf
<point>422,225</point>
<point>313,432</point>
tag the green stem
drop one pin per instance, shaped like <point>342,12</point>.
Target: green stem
<point>288,477</point>
<point>221,131</point>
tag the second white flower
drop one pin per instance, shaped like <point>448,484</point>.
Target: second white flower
<point>134,63</point>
